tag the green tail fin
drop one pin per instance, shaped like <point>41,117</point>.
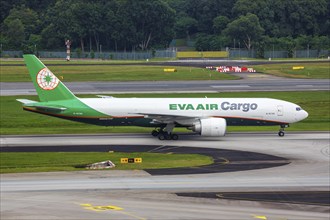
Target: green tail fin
<point>48,86</point>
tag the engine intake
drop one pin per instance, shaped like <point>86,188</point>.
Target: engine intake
<point>214,127</point>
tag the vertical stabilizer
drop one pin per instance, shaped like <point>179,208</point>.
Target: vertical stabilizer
<point>48,86</point>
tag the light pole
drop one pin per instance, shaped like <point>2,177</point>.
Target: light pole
<point>239,49</point>
<point>100,56</point>
<point>68,44</point>
<point>307,50</point>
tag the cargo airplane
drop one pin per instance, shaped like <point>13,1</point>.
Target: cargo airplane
<point>205,116</point>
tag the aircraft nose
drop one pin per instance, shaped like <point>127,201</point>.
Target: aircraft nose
<point>304,114</point>
<point>301,115</point>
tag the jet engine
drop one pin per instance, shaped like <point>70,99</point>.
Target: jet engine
<point>214,127</point>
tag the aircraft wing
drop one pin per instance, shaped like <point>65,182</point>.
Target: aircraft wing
<point>166,119</point>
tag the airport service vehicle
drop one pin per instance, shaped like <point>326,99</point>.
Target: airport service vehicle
<point>205,116</point>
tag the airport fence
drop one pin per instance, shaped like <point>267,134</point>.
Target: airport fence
<point>97,55</point>
<point>201,54</point>
<point>241,53</point>
<point>172,53</point>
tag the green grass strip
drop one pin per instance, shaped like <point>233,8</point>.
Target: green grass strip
<point>315,70</point>
<point>141,72</point>
<point>73,161</point>
<point>115,73</point>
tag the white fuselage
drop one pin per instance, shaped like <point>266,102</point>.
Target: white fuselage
<point>263,109</point>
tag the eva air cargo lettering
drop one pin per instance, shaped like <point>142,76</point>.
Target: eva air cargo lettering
<point>205,116</point>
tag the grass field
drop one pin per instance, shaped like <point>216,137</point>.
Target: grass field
<point>14,120</point>
<point>317,70</point>
<point>137,72</point>
<point>115,73</point>
<point>62,161</point>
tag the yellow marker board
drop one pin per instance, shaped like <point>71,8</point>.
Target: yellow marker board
<point>298,67</point>
<point>131,160</point>
<point>123,160</point>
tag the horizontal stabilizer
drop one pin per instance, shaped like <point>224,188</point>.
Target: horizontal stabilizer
<point>26,101</point>
<point>30,103</point>
<point>50,108</point>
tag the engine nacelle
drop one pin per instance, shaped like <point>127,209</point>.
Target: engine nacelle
<point>214,127</point>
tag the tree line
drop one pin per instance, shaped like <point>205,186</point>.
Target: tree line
<point>138,25</point>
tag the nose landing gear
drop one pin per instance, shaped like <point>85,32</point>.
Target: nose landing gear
<point>281,131</point>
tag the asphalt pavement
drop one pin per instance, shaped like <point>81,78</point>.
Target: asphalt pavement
<point>140,195</point>
<point>259,83</point>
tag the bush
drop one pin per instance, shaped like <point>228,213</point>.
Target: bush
<point>78,52</point>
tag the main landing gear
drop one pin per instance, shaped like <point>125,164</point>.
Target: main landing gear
<point>281,131</point>
<point>165,133</point>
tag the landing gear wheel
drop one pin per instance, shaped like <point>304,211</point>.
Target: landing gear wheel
<point>281,131</point>
<point>174,136</point>
<point>168,137</point>
<point>155,133</point>
<point>161,137</point>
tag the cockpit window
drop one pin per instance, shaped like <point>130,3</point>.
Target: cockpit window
<point>298,109</point>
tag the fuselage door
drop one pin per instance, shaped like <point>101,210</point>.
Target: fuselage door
<point>280,110</point>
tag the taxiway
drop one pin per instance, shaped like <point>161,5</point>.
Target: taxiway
<point>139,195</point>
<point>251,82</point>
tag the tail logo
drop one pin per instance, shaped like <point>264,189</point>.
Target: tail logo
<point>47,80</point>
